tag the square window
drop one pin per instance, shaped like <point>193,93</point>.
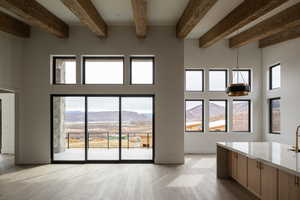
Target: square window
<point>194,114</point>
<point>64,70</point>
<point>103,70</point>
<point>275,77</point>
<point>218,115</point>
<point>142,70</point>
<point>241,76</point>
<point>274,115</point>
<point>217,80</point>
<point>194,80</point>
<point>241,116</point>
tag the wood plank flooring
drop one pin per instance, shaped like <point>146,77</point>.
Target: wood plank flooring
<point>196,179</point>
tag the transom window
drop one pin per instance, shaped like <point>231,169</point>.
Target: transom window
<point>142,70</point>
<point>194,80</point>
<point>275,77</point>
<point>217,80</point>
<point>64,70</point>
<point>103,70</point>
<point>241,76</point>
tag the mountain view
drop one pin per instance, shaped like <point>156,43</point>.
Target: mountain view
<point>194,117</point>
<point>106,116</point>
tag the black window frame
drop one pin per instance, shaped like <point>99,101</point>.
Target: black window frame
<point>84,58</point>
<point>142,58</point>
<point>249,115</point>
<point>226,79</point>
<point>249,75</point>
<point>54,58</point>
<point>203,84</point>
<point>203,107</point>
<point>271,116</point>
<point>226,115</point>
<point>271,76</point>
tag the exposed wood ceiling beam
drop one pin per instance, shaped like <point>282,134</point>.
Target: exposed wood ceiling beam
<point>13,26</point>
<point>139,8</point>
<point>245,13</point>
<point>284,20</point>
<point>88,15</point>
<point>280,37</point>
<point>192,15</point>
<point>35,14</point>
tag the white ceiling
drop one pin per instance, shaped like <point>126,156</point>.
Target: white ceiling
<point>160,12</point>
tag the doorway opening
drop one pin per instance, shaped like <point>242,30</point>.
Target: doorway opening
<point>102,128</point>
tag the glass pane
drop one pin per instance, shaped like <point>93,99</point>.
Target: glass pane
<point>241,76</point>
<point>275,116</point>
<point>103,71</point>
<point>142,71</point>
<point>193,116</point>
<point>217,80</point>
<point>217,116</point>
<point>65,70</point>
<point>275,77</point>
<point>137,128</point>
<point>103,128</point>
<point>241,116</point>
<point>194,80</point>
<point>69,128</point>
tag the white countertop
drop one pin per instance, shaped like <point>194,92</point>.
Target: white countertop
<point>272,153</point>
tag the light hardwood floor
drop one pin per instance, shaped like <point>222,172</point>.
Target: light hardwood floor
<point>194,180</point>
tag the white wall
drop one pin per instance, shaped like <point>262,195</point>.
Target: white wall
<point>288,54</point>
<point>11,67</point>
<point>220,56</point>
<point>34,139</point>
<point>8,123</point>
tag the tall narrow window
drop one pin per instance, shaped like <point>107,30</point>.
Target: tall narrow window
<point>274,115</point>
<point>241,116</point>
<point>241,76</point>
<point>142,70</point>
<point>194,114</point>
<point>100,70</point>
<point>218,115</point>
<point>275,77</point>
<point>194,80</point>
<point>64,70</point>
<point>217,80</point>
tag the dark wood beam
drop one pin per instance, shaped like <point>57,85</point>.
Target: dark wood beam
<point>35,14</point>
<point>13,26</point>
<point>286,35</point>
<point>192,15</point>
<point>284,20</point>
<point>246,12</point>
<point>139,8</point>
<point>88,15</point>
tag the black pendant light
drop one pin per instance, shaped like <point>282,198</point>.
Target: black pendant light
<point>238,89</point>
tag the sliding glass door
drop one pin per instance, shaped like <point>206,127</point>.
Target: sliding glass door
<point>137,128</point>
<point>102,128</point>
<point>68,128</point>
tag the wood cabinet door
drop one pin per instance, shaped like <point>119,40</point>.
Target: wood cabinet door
<point>287,187</point>
<point>242,170</point>
<point>233,165</point>
<point>268,182</point>
<point>294,190</point>
<point>254,177</point>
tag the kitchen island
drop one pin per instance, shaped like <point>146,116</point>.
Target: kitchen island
<point>269,170</point>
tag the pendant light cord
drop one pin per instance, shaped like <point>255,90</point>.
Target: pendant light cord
<point>238,64</point>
